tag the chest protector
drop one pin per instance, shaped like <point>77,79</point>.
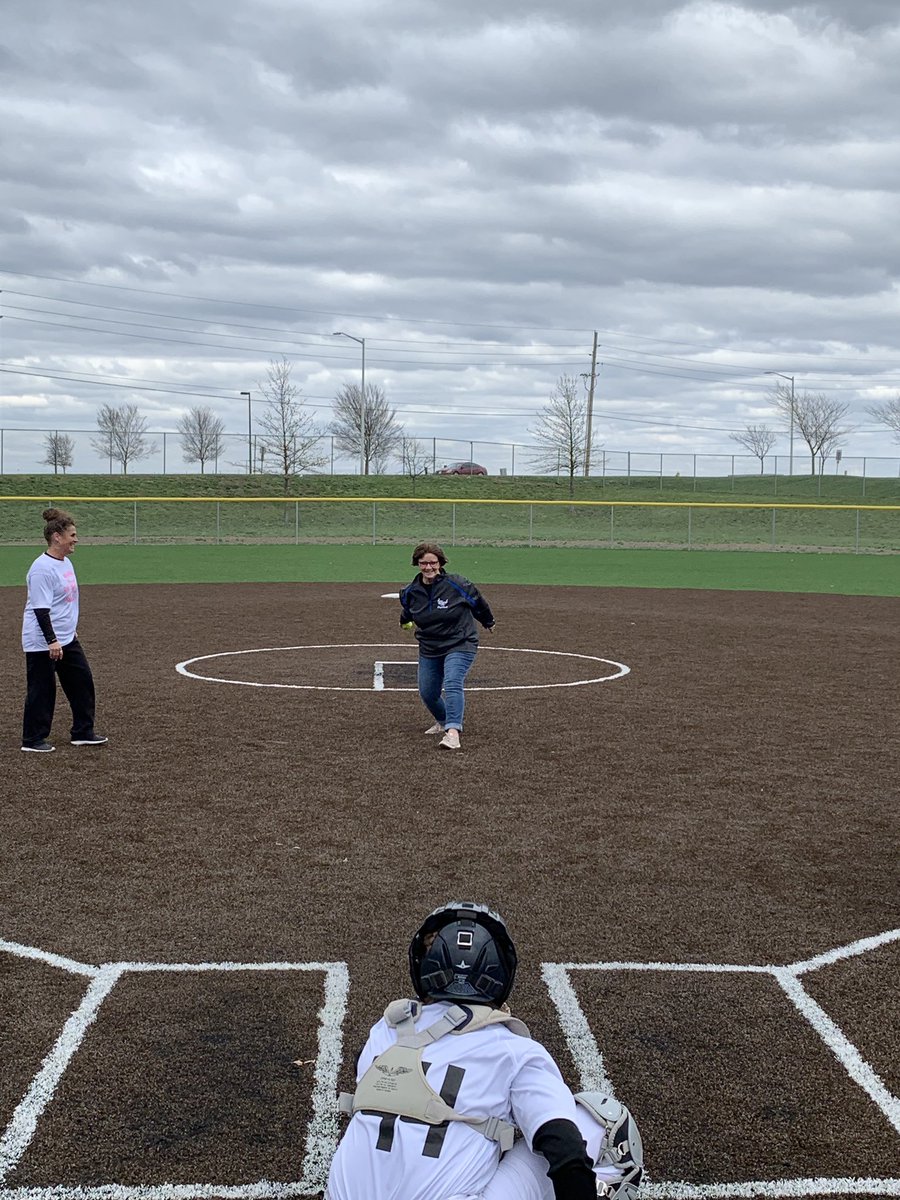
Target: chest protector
<point>396,1083</point>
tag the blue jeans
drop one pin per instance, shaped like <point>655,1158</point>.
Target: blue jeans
<point>447,673</point>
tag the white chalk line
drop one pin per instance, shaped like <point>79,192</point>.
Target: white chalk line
<point>582,1044</point>
<point>264,1189</point>
<point>23,1123</point>
<point>322,1129</point>
<point>52,960</point>
<point>182,668</point>
<point>589,1061</point>
<point>772,1189</point>
<point>860,946</point>
<point>378,674</point>
<point>840,1046</point>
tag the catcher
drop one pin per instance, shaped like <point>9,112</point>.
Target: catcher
<point>446,1082</point>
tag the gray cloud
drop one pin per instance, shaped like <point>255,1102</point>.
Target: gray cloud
<point>488,178</point>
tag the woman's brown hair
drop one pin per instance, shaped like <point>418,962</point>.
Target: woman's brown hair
<point>56,521</point>
<point>424,548</point>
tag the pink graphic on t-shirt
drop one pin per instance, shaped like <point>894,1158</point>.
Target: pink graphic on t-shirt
<point>70,587</point>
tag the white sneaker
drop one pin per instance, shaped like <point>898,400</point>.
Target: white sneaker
<point>450,740</point>
<point>437,727</point>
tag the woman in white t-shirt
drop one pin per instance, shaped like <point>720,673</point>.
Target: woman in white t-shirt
<point>50,642</point>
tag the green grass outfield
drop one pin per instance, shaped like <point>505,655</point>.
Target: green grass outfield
<point>841,574</point>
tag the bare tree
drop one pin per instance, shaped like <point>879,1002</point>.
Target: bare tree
<point>382,431</point>
<point>59,450</point>
<point>888,413</point>
<point>201,436</point>
<point>817,418</point>
<point>122,435</point>
<point>290,439</point>
<point>758,439</point>
<point>561,430</point>
<point>414,458</point>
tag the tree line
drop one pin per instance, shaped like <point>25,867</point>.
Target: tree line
<point>288,442</point>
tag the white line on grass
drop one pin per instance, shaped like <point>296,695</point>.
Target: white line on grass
<point>182,668</point>
<point>264,1189</point>
<point>581,1042</point>
<point>715,968</point>
<point>322,1132</point>
<point>840,1046</point>
<point>589,1063</point>
<point>771,1189</point>
<point>861,946</point>
<point>52,960</point>
<point>24,1120</point>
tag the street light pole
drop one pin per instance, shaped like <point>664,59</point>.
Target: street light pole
<point>589,422</point>
<point>791,378</point>
<point>249,434</point>
<point>362,398</point>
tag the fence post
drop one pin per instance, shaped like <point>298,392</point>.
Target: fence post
<point>690,525</point>
<point>374,507</point>
<point>856,548</point>
<point>530,524</point>
<point>135,523</point>
<point>773,528</point>
<point>218,523</point>
<point>611,526</point>
<point>453,518</point>
<point>296,522</point>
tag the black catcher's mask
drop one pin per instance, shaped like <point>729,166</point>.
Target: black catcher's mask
<point>470,957</point>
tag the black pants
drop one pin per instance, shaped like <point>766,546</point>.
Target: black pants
<point>77,682</point>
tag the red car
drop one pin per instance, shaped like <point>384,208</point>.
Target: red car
<point>463,468</point>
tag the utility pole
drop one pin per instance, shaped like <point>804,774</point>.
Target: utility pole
<point>249,434</point>
<point>589,420</point>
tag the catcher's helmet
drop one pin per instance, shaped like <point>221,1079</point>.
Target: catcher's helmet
<point>463,952</point>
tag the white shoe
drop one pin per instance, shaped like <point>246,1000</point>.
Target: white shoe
<point>450,740</point>
<point>437,727</point>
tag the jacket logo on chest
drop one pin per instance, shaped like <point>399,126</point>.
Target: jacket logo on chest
<point>443,603</point>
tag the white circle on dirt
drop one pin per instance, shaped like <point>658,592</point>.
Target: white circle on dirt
<point>617,670</point>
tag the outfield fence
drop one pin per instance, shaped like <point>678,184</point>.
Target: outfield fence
<point>25,451</point>
<point>684,525</point>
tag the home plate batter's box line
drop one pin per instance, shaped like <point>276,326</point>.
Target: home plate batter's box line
<point>322,1129</point>
<point>592,1071</point>
<point>322,1137</point>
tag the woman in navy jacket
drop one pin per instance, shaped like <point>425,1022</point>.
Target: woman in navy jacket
<point>444,609</point>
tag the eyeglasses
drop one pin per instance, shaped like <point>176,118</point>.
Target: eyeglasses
<point>427,562</point>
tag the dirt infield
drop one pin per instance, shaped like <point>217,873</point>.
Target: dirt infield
<point>730,803</point>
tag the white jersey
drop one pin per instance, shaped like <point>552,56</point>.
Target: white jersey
<point>51,584</point>
<point>490,1072</point>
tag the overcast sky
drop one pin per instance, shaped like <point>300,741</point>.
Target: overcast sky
<point>191,188</point>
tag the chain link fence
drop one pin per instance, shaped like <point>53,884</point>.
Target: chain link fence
<point>24,452</point>
<point>618,524</point>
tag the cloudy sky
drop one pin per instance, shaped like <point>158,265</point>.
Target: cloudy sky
<point>191,188</point>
